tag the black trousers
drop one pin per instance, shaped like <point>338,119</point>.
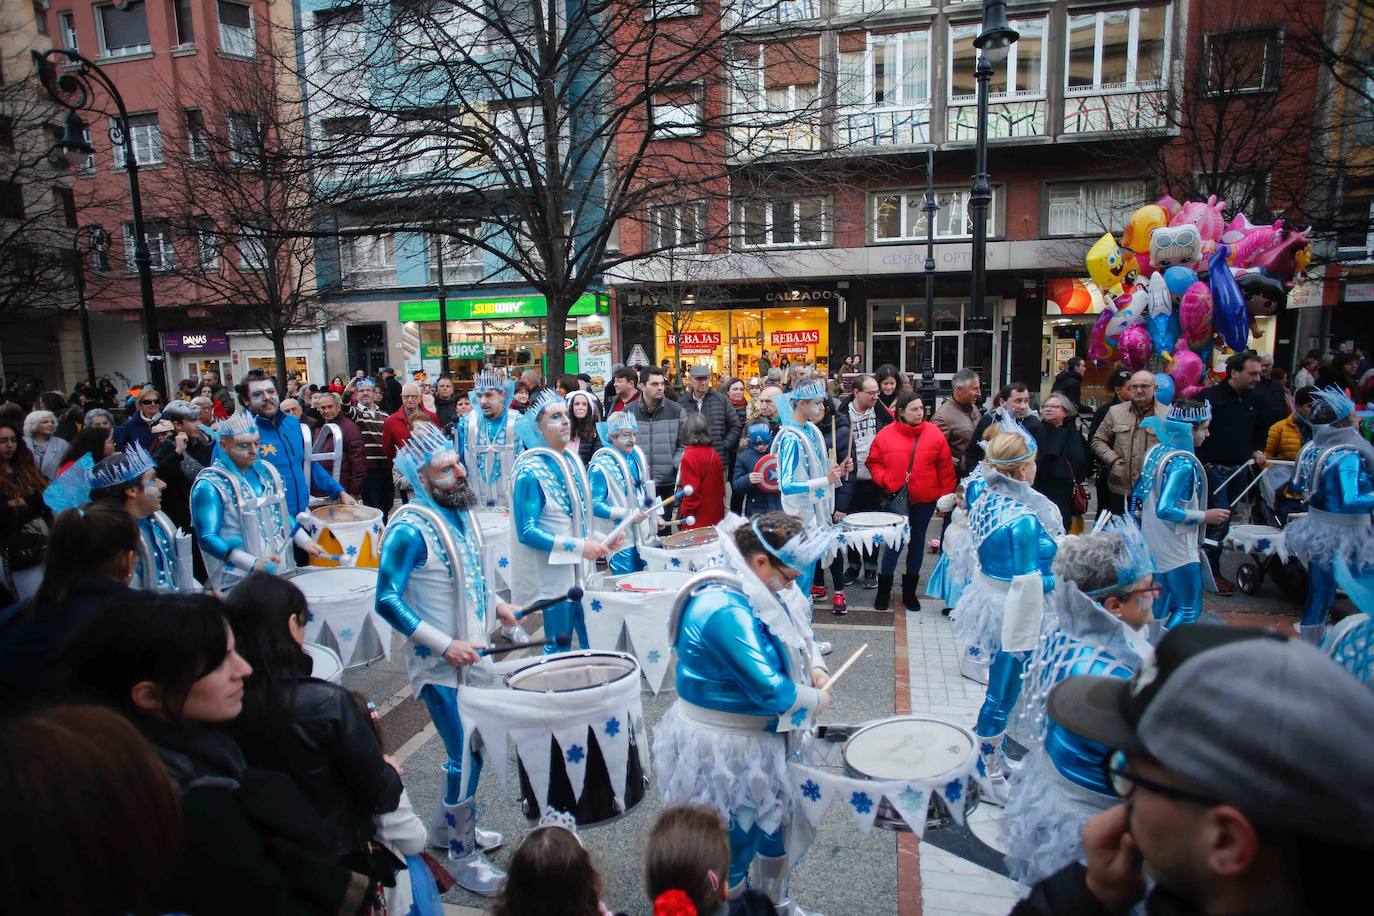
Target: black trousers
<point>378,490</point>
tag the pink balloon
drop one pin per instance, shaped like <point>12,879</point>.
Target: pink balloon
<point>1135,346</point>
<point>1187,368</point>
<point>1195,313</point>
<point>1098,348</point>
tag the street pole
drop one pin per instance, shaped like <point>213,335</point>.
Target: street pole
<point>98,242</point>
<point>443,308</point>
<point>931,208</point>
<point>71,80</point>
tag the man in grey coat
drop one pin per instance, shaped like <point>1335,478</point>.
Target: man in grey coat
<point>658,420</point>
<point>726,426</point>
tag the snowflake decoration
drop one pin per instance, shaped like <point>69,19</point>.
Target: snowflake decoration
<point>860,802</point>
<point>799,716</point>
<point>351,551</point>
<point>911,799</point>
<point>569,545</point>
<point>676,562</point>
<point>596,605</point>
<point>982,768</point>
<point>986,749</point>
<point>811,790</point>
<point>954,790</point>
<point>457,848</point>
<point>1262,544</point>
<point>877,540</point>
<point>423,652</point>
<point>450,819</point>
<point>653,656</point>
<point>503,562</point>
<point>974,651</point>
<point>575,754</point>
<point>376,529</point>
<point>346,634</point>
<point>309,616</point>
<point>820,494</point>
<point>612,726</point>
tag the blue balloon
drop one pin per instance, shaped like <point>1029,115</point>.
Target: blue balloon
<point>1164,388</point>
<point>1228,305</point>
<point>1163,331</point>
<point>1178,278</point>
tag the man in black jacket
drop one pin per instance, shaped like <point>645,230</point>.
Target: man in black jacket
<point>723,419</point>
<point>1070,381</point>
<point>1235,435</point>
<point>1015,397</point>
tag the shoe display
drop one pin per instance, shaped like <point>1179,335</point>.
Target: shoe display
<point>838,606</point>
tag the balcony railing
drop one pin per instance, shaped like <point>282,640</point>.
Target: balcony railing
<point>760,14</point>
<point>749,141</point>
<point>1020,115</point>
<point>1114,109</point>
<point>909,126</point>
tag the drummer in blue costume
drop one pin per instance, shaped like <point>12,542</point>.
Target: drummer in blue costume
<point>1000,613</point>
<point>1102,601</point>
<point>622,486</point>
<point>749,681</point>
<point>552,545</point>
<point>240,512</point>
<point>431,589</point>
<point>954,570</point>
<point>129,479</point>
<point>1170,499</point>
<point>1335,474</point>
<point>486,439</point>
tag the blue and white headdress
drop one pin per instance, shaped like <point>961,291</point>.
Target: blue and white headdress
<point>803,549</point>
<point>72,488</point>
<point>425,442</point>
<point>1133,561</point>
<point>528,426</point>
<point>1175,429</point>
<point>617,422</point>
<point>1336,401</point>
<point>122,467</point>
<point>1009,424</point>
<point>241,423</point>
<point>1195,416</point>
<point>786,403</point>
<point>492,380</point>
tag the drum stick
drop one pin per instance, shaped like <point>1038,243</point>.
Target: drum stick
<point>619,529</point>
<point>574,594</point>
<point>689,521</point>
<point>834,442</point>
<point>1241,495</point>
<point>1234,475</point>
<point>834,678</point>
<point>498,650</point>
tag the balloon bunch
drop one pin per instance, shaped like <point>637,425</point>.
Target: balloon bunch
<point>1182,279</point>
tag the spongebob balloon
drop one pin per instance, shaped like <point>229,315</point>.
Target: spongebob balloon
<point>1107,265</point>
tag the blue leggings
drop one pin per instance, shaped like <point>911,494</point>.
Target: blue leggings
<point>564,619</point>
<point>746,844</point>
<point>442,703</point>
<point>1180,595</point>
<point>1321,592</point>
<point>1004,686</point>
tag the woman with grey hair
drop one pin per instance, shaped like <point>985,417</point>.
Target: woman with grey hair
<point>1102,601</point>
<point>40,435</point>
<point>1062,456</point>
<point>100,418</point>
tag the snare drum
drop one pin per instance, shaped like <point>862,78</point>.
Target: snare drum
<point>912,747</point>
<point>341,602</point>
<point>649,582</point>
<point>873,519</point>
<point>324,663</point>
<point>591,674</point>
<point>353,534</point>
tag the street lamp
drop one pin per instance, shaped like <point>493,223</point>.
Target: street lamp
<point>993,43</point>
<point>931,208</point>
<point>98,241</point>
<point>72,80</point>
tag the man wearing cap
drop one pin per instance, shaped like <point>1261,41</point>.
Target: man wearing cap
<point>1242,760</point>
<point>621,486</point>
<point>486,439</point>
<point>724,420</point>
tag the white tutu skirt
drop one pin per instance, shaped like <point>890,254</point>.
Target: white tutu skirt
<point>1321,538</point>
<point>743,777</point>
<point>1045,818</point>
<point>977,618</point>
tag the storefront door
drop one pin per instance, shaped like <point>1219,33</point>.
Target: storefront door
<point>897,337</point>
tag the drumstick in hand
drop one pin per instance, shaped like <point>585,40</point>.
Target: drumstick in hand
<point>834,678</point>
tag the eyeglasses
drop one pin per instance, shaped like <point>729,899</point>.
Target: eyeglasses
<point>1140,386</point>
<point>151,401</point>
<point>1147,590</point>
<point>1124,782</point>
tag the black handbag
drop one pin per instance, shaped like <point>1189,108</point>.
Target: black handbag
<point>900,501</point>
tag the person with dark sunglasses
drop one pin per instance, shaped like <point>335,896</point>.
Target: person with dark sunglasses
<point>1241,760</point>
<point>138,429</point>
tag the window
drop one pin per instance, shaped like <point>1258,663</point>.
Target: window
<point>6,132</point>
<point>888,70</point>
<point>66,31</point>
<point>367,260</point>
<point>898,215</point>
<point>1242,62</point>
<point>207,245</point>
<point>462,262</point>
<point>122,31</point>
<point>195,135</point>
<point>783,221</point>
<point>146,138</point>
<point>252,248</point>
<point>181,12</point>
<point>343,43</point>
<point>521,124</point>
<point>676,112</point>
<point>677,226</point>
<point>158,237</point>
<point>64,200</point>
<point>1022,72</point>
<point>236,29</point>
<point>87,165</point>
<point>1117,49</point>
<point>670,9</point>
<point>40,17</point>
<point>244,142</point>
<point>1355,230</point>
<point>11,200</point>
<point>1091,207</point>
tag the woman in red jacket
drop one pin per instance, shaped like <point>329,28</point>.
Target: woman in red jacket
<point>910,453</point>
<point>702,470</point>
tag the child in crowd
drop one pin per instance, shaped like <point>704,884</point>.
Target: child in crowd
<point>748,481</point>
<point>551,874</point>
<point>701,469</point>
<point>686,864</point>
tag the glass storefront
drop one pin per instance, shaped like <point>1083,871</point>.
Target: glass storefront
<point>897,337</point>
<point>734,341</point>
<point>297,363</point>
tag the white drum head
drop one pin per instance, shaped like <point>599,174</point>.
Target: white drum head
<point>327,584</point>
<point>577,671</point>
<point>652,582</point>
<point>337,514</point>
<point>693,537</point>
<point>873,519</point>
<point>909,747</point>
<point>325,663</point>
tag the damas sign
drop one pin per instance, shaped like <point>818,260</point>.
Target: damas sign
<point>693,343</point>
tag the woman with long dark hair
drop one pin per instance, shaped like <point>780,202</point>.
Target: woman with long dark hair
<point>583,413</point>
<point>250,843</point>
<point>891,384</point>
<point>23,516</point>
<point>96,441</point>
<point>296,724</point>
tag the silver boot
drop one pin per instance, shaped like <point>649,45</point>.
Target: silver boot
<point>774,875</point>
<point>1312,634</point>
<point>992,771</point>
<point>974,667</point>
<point>438,830</point>
<point>470,868</point>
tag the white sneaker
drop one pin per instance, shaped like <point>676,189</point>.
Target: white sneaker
<point>825,647</point>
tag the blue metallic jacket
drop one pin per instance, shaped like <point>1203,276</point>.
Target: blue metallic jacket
<point>281,444</point>
<point>1335,480</point>
<point>1011,540</point>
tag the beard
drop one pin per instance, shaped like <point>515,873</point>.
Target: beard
<point>458,497</point>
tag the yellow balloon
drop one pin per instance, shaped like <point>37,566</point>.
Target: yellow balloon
<point>1107,263</point>
<point>1143,221</point>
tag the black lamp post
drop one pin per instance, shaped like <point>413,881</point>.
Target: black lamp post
<point>98,242</point>
<point>72,80</point>
<point>931,208</point>
<point>992,43</point>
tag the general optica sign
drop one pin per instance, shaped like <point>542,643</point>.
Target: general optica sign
<point>195,342</point>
